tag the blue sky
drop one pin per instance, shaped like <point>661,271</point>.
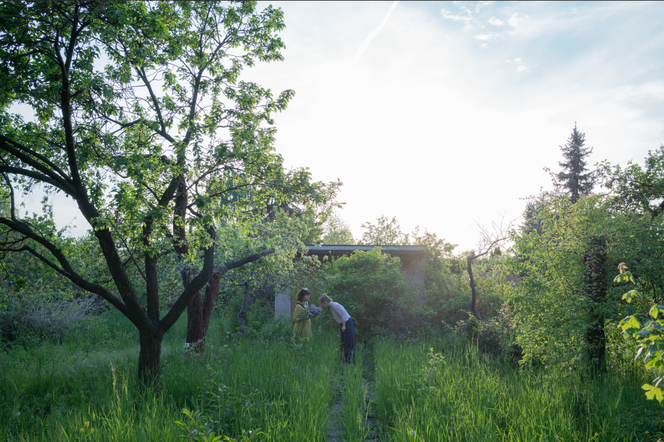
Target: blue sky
<point>444,114</point>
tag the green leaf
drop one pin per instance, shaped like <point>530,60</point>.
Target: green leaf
<point>624,277</point>
<point>630,323</point>
<point>654,311</point>
<point>631,295</point>
<point>653,392</point>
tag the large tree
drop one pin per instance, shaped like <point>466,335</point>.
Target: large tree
<point>142,119</point>
<point>337,231</point>
<point>386,232</point>
<point>574,177</point>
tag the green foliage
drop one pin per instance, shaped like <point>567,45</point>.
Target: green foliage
<point>35,319</point>
<point>551,303</point>
<point>647,334</point>
<point>162,148</point>
<point>337,231</point>
<point>48,393</point>
<point>197,428</point>
<point>494,336</point>
<point>439,391</point>
<point>370,286</point>
<point>634,188</point>
<point>385,232</point>
<point>355,400</point>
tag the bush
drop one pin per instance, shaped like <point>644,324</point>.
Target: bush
<point>280,328</point>
<point>30,321</point>
<point>370,286</point>
<point>494,336</point>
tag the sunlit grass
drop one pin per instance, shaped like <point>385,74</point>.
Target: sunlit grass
<point>80,392</point>
<point>458,393</point>
<point>272,390</point>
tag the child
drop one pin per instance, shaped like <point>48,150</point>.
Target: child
<point>301,321</point>
<point>341,317</point>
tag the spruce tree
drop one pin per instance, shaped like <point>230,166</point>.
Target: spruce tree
<point>574,177</point>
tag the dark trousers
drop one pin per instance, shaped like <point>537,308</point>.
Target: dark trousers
<point>348,341</point>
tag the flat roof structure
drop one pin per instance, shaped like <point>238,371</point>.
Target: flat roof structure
<point>403,252</point>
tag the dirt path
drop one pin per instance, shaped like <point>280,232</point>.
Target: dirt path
<point>335,428</point>
<point>335,432</point>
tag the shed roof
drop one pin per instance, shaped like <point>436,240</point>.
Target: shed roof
<point>403,252</point>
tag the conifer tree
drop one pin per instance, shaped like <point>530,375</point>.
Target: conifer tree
<point>574,177</point>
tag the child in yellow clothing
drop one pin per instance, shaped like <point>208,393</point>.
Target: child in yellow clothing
<point>301,321</point>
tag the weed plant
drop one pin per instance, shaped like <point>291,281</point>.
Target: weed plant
<point>446,392</point>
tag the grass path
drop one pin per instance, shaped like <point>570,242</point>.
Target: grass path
<point>335,432</point>
<point>351,416</point>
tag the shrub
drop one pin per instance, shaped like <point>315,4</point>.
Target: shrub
<point>494,336</point>
<point>370,286</point>
<point>32,320</point>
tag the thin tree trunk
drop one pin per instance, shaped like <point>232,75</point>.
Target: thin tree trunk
<point>595,280</point>
<point>473,299</point>
<point>242,315</point>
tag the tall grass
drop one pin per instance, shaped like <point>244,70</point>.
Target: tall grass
<point>355,400</point>
<point>457,393</point>
<point>86,389</point>
<point>267,389</point>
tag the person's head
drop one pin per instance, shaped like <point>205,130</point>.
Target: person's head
<point>303,295</point>
<point>324,300</point>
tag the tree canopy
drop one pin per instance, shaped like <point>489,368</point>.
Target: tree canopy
<point>142,119</point>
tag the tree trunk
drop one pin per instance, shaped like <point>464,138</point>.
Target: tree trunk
<point>473,299</point>
<point>149,356</point>
<point>195,326</point>
<point>595,281</point>
<point>199,312</point>
<point>242,315</point>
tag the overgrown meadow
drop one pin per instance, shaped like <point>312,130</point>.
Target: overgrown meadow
<point>270,389</point>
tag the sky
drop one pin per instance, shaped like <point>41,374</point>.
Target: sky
<point>444,114</point>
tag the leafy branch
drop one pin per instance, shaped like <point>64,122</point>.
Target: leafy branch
<point>649,336</point>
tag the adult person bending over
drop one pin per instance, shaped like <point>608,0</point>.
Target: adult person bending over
<point>301,321</point>
<point>341,317</point>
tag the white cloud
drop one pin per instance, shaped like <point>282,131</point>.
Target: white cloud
<point>480,5</point>
<point>514,20</point>
<point>520,66</point>
<point>652,92</point>
<point>465,19</point>
<point>486,37</point>
<point>496,22</point>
